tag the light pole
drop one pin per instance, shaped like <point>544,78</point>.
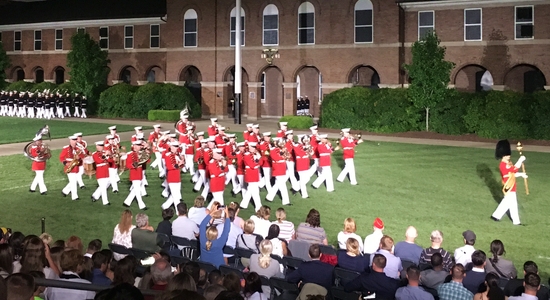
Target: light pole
<point>238,64</point>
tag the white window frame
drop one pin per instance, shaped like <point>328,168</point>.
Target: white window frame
<point>151,36</point>
<point>232,15</point>
<point>128,37</point>
<point>473,25</point>
<point>355,26</point>
<point>424,26</point>
<point>519,23</point>
<point>81,28</point>
<point>191,14</point>
<point>15,41</point>
<point>314,23</point>
<point>37,40</point>
<point>263,88</point>
<point>58,40</point>
<point>104,38</point>
<point>263,25</point>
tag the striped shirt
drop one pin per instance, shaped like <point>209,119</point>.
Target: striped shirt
<point>286,230</point>
<point>426,257</point>
<point>312,235</point>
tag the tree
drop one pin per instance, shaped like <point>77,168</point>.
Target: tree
<point>429,72</point>
<point>89,67</point>
<point>4,64</point>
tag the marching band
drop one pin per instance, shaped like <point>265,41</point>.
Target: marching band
<point>42,105</point>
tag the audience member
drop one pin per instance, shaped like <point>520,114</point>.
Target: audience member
<point>503,268</point>
<point>352,258</point>
<point>55,254</point>
<point>165,226</point>
<point>253,287</point>
<point>261,221</point>
<point>286,228</point>
<point>455,290</point>
<point>85,268</point>
<point>372,241</point>
<point>122,234</point>
<point>212,291</point>
<point>314,271</point>
<point>109,255</point>
<point>279,247</point>
<point>123,291</point>
<point>234,232</point>
<point>408,250</point>
<point>263,264</point>
<point>36,257</point>
<point>16,243</point>
<point>181,281</point>
<point>531,282</point>
<point>348,232</point>
<point>161,274</point>
<point>183,226</point>
<point>437,239</point>
<point>491,290</point>
<point>514,287</point>
<point>74,242</point>
<point>101,265</point>
<point>59,244</point>
<point>6,260</point>
<point>434,276</point>
<point>232,282</point>
<point>70,259</point>
<point>210,245</point>
<point>412,291</point>
<point>93,247</point>
<point>124,271</point>
<point>3,288</point>
<point>311,231</point>
<point>38,289</point>
<point>249,240</point>
<point>375,282</point>
<point>20,286</point>
<point>393,264</point>
<point>476,276</point>
<point>237,220</point>
<point>463,255</point>
<point>194,270</point>
<point>215,277</point>
<point>143,237</point>
<point>229,295</point>
<point>197,213</point>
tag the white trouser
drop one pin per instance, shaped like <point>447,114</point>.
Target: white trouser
<point>200,180</point>
<point>79,176</point>
<point>60,113</point>
<point>39,113</point>
<point>141,188</point>
<point>39,180</point>
<point>280,185</point>
<point>189,165</point>
<point>135,193</point>
<point>10,111</point>
<point>83,113</point>
<point>67,111</point>
<point>52,114</point>
<point>101,191</point>
<point>242,185</point>
<point>175,196</point>
<point>304,179</point>
<point>267,179</point>
<point>206,188</point>
<point>231,176</point>
<point>290,172</point>
<point>76,112</point>
<point>144,180</point>
<point>325,176</point>
<point>71,186</point>
<point>509,202</point>
<point>314,168</point>
<point>22,112</point>
<point>217,196</point>
<point>252,191</point>
<point>156,162</point>
<point>30,112</point>
<point>113,178</point>
<point>2,110</point>
<point>348,169</point>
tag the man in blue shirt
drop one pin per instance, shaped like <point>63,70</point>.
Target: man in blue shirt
<point>476,276</point>
<point>101,263</point>
<point>314,271</point>
<point>454,290</point>
<point>375,282</point>
<point>408,250</point>
<point>532,285</point>
<point>412,291</point>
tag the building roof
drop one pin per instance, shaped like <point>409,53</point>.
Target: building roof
<point>29,12</point>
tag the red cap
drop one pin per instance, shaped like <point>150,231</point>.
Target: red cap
<point>378,223</point>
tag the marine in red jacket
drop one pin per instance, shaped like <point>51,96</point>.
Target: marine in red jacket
<point>217,168</point>
<point>281,133</point>
<point>68,155</point>
<point>348,144</point>
<point>173,162</point>
<point>38,165</point>
<point>102,162</point>
<point>213,128</point>
<point>278,157</point>
<point>325,150</point>
<point>252,176</point>
<point>136,175</point>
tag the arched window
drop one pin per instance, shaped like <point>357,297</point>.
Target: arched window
<point>271,25</point>
<point>233,25</point>
<point>306,24</point>
<point>363,21</point>
<point>190,28</point>
<point>39,75</point>
<point>151,76</point>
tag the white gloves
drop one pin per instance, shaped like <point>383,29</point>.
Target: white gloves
<point>520,161</point>
<point>521,174</point>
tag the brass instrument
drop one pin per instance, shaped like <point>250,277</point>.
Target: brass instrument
<point>509,184</point>
<point>75,162</point>
<point>44,152</point>
<point>519,147</point>
<point>283,150</point>
<point>143,157</point>
<point>335,141</point>
<point>44,131</point>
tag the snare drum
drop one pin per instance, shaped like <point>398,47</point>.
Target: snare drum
<point>89,166</point>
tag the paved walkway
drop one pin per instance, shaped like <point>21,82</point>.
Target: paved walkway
<point>265,125</point>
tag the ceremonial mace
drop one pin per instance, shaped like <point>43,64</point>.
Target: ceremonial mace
<point>519,147</point>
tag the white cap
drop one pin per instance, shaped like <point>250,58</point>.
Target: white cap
<point>218,150</point>
<point>301,136</point>
<point>189,127</point>
<point>252,144</point>
<point>241,144</point>
<point>283,123</point>
<point>249,125</point>
<point>138,142</point>
<point>267,133</point>
<point>203,141</point>
<point>110,137</point>
<point>221,128</point>
<point>323,136</point>
<point>200,133</point>
<point>99,143</point>
<point>112,128</point>
<point>345,130</point>
<point>138,128</point>
<point>139,135</point>
<point>289,132</point>
<point>78,134</point>
<point>157,126</point>
<point>165,132</point>
<point>276,139</point>
<point>256,126</point>
<point>174,144</point>
<point>172,135</point>
<point>211,138</point>
<point>37,138</point>
<point>214,119</point>
<point>72,137</point>
<point>230,135</point>
<point>314,127</point>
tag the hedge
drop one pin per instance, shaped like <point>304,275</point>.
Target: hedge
<point>115,101</point>
<point>66,87</point>
<point>297,122</point>
<point>20,86</point>
<point>40,87</point>
<point>164,115</point>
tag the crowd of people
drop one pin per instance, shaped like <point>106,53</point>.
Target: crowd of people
<point>42,105</point>
<point>381,268</point>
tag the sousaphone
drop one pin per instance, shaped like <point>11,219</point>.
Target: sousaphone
<point>44,153</point>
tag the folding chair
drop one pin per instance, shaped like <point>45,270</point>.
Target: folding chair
<point>328,250</point>
<point>208,267</point>
<point>178,260</point>
<point>140,254</point>
<point>116,248</point>
<point>338,293</point>
<point>343,276</point>
<point>240,253</point>
<point>228,269</point>
<point>292,262</point>
<point>282,289</point>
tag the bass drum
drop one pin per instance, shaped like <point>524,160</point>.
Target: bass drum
<point>122,164</point>
<point>89,166</point>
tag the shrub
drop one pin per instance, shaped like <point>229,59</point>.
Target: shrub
<point>163,115</point>
<point>448,117</point>
<point>40,87</point>
<point>297,122</point>
<point>20,86</point>
<point>176,97</point>
<point>539,110</point>
<point>66,87</point>
<point>115,101</point>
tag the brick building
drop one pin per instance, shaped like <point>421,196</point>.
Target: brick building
<point>321,45</point>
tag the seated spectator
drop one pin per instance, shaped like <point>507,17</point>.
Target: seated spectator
<point>6,260</point>
<point>408,250</point>
<point>261,221</point>
<point>93,247</point>
<point>38,289</point>
<point>393,264</point>
<point>212,291</point>
<point>122,234</point>
<point>476,276</point>
<point>109,255</point>
<point>253,287</point>
<point>34,258</point>
<point>181,281</point>
<point>412,291</point>
<point>55,253</point>
<point>263,264</point>
<point>437,239</point>
<point>232,283</point>
<point>497,264</point>
<point>463,255</point>
<point>19,286</point>
<point>372,241</point>
<point>311,231</point>
<point>124,291</point>
<point>455,290</point>
<point>349,232</point>
<point>197,213</point>
<point>59,243</point>
<point>3,288</point>
<point>531,282</point>
<point>74,242</point>
<point>351,258</point>
<point>210,245</point>
<point>249,240</point>
<point>183,226</point>
<point>85,269</point>
<point>436,275</point>
<point>70,259</point>
<point>491,289</point>
<point>314,271</point>
<point>375,282</point>
<point>161,274</point>
<point>165,226</point>
<point>101,264</point>
<point>194,270</point>
<point>234,232</point>
<point>237,220</point>
<point>203,281</point>
<point>124,271</point>
<point>215,277</point>
<point>286,228</point>
<point>143,237</point>
<point>16,243</point>
<point>514,287</point>
<point>279,247</point>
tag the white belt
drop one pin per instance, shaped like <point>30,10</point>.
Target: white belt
<point>348,148</point>
<point>324,154</point>
<point>101,165</point>
<point>68,159</point>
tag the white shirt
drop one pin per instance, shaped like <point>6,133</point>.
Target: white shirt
<point>463,255</point>
<point>196,214</point>
<point>523,296</point>
<point>372,242</point>
<point>257,296</point>
<point>343,238</point>
<point>261,226</point>
<point>185,228</point>
<point>64,294</point>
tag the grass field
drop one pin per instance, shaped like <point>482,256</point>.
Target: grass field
<point>430,187</point>
<point>23,130</point>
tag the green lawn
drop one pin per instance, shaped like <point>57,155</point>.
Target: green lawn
<point>430,187</point>
<point>22,130</point>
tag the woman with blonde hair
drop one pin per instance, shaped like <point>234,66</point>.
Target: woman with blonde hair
<point>286,228</point>
<point>349,232</point>
<point>261,220</point>
<point>211,245</point>
<point>351,258</point>
<point>263,264</point>
<point>122,234</point>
